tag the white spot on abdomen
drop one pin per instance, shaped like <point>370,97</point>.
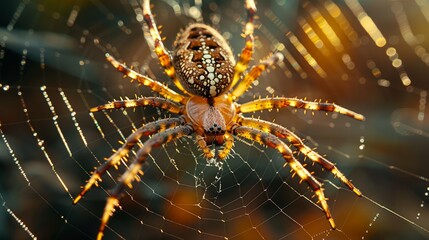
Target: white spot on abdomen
<point>212,90</point>
<point>210,76</point>
<point>210,69</point>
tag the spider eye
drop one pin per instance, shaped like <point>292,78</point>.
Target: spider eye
<point>213,122</point>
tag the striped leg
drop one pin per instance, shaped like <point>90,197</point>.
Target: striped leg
<point>283,132</point>
<point>229,143</point>
<point>281,102</point>
<point>134,169</point>
<point>254,73</point>
<point>203,146</point>
<point>114,160</point>
<point>141,102</point>
<point>247,52</point>
<point>146,81</point>
<point>163,56</point>
<point>274,142</point>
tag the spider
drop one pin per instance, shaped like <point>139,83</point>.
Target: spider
<point>203,68</point>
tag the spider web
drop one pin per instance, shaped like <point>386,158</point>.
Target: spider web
<point>53,70</point>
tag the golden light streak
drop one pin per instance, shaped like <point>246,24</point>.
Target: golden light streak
<point>305,54</point>
<point>366,22</point>
<point>312,35</point>
<point>347,60</point>
<point>403,23</point>
<point>292,61</point>
<point>406,30</point>
<point>280,46</point>
<point>344,24</point>
<point>424,8</point>
<point>325,27</point>
<point>393,55</point>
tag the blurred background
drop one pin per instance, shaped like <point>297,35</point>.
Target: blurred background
<point>368,56</point>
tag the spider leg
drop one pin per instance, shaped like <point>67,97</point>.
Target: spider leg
<point>229,143</point>
<point>203,146</point>
<point>134,169</point>
<point>281,102</point>
<point>283,132</point>
<point>143,101</point>
<point>247,51</point>
<point>146,81</point>
<point>114,159</point>
<point>254,73</point>
<point>274,142</point>
<point>163,56</point>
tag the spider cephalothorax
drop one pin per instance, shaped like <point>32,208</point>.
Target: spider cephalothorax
<point>203,68</point>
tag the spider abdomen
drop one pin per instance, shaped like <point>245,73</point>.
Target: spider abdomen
<point>203,60</point>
